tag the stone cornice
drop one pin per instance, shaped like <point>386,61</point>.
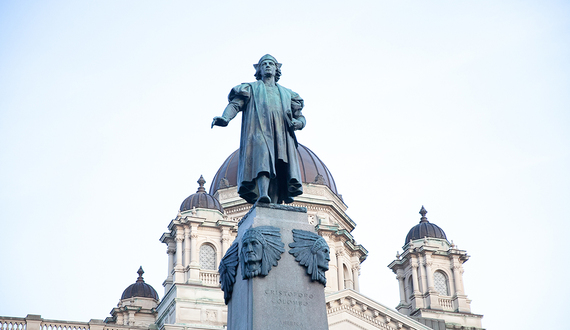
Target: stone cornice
<point>369,310</point>
<point>436,311</point>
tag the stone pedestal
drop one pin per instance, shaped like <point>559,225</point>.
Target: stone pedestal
<point>286,298</point>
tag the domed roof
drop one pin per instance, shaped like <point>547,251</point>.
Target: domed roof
<point>201,199</point>
<point>140,289</point>
<point>425,229</point>
<point>313,170</point>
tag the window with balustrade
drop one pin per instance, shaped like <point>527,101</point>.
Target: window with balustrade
<point>207,257</point>
<point>441,283</point>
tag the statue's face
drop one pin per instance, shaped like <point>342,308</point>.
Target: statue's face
<point>252,251</point>
<point>323,258</point>
<point>268,68</point>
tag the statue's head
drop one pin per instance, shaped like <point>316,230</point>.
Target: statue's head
<point>321,253</point>
<point>311,251</point>
<point>259,67</point>
<point>252,252</point>
<point>261,247</point>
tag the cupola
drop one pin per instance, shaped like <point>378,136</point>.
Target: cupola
<point>140,289</point>
<point>137,306</point>
<point>424,229</point>
<point>201,199</point>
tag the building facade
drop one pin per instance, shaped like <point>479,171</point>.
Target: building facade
<point>429,271</point>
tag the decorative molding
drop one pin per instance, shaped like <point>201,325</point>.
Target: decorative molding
<point>361,315</point>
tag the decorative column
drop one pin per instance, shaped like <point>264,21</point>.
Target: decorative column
<point>186,248</point>
<point>400,277</point>
<point>414,265</point>
<point>131,317</point>
<point>225,240</point>
<point>461,304</point>
<point>340,270</point>
<point>432,299</point>
<point>168,239</point>
<point>417,301</point>
<point>179,269</point>
<point>332,278</point>
<point>194,256</point>
<point>170,250</point>
<point>422,275</point>
<point>456,278</point>
<point>429,275</point>
<point>355,271</point>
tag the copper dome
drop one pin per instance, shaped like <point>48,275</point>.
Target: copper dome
<point>140,289</point>
<point>201,199</point>
<point>313,170</point>
<point>424,229</point>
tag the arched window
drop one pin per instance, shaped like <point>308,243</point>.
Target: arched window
<point>441,283</point>
<point>207,257</point>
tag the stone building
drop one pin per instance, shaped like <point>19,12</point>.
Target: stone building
<point>429,271</point>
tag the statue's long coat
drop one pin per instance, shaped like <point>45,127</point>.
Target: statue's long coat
<point>268,143</point>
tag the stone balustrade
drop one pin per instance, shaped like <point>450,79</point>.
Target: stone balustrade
<point>209,278</point>
<point>36,322</point>
<point>446,304</point>
<point>12,323</point>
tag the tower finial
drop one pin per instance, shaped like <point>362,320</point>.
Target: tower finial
<point>140,272</point>
<point>201,182</point>
<point>423,212</point>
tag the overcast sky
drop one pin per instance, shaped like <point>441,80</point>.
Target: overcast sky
<point>461,106</point>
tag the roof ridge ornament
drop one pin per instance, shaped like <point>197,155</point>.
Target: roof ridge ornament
<point>423,212</point>
<point>201,182</point>
<point>140,272</point>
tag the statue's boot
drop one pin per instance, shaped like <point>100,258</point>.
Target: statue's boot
<point>263,187</point>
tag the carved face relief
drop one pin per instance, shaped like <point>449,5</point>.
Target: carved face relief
<point>261,248</point>
<point>252,252</point>
<point>323,258</point>
<point>312,252</point>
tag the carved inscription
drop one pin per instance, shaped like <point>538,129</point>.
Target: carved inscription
<point>291,298</point>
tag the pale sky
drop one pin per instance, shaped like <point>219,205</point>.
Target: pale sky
<point>461,106</point>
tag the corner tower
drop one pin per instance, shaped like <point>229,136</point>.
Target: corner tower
<point>137,306</point>
<point>196,241</point>
<point>430,276</point>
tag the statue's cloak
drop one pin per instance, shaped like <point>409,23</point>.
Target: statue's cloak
<point>268,144</point>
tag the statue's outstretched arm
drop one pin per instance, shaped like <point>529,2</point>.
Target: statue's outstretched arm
<point>229,113</point>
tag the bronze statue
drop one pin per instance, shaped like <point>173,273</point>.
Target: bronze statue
<point>268,168</point>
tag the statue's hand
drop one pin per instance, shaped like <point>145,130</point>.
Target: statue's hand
<point>220,121</point>
<point>297,124</point>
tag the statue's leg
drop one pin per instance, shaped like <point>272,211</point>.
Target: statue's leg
<point>274,190</point>
<point>263,187</point>
<point>281,184</point>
